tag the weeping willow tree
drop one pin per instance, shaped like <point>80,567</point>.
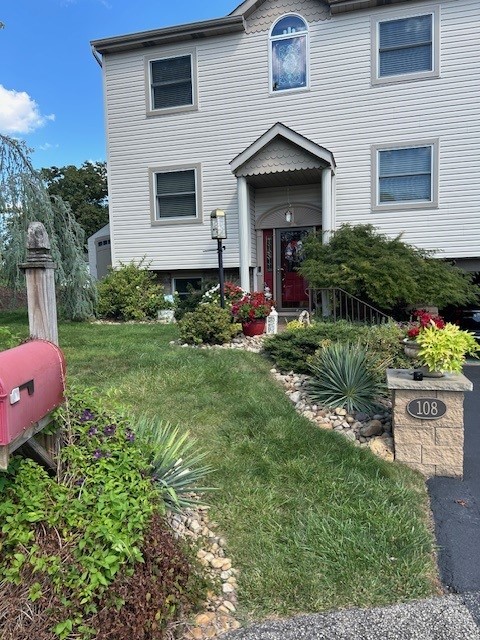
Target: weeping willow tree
<point>24,199</point>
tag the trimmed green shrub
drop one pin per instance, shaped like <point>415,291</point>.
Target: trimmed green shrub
<point>342,378</point>
<point>293,349</point>
<point>130,292</point>
<point>385,271</point>
<point>208,324</point>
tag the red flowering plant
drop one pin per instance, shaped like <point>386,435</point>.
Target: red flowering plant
<point>252,306</point>
<point>423,321</point>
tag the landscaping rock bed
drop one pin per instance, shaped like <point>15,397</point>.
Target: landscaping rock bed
<point>218,615</point>
<point>254,344</point>
<point>373,431</point>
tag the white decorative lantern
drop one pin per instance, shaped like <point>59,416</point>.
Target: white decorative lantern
<point>272,322</point>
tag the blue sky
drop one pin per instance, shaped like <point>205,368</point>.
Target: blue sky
<point>50,84</point>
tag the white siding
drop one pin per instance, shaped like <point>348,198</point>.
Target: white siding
<point>341,111</point>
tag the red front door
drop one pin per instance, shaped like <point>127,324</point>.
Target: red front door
<point>283,254</point>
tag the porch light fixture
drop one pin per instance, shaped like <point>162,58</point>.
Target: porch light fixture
<point>218,223</point>
<point>289,211</point>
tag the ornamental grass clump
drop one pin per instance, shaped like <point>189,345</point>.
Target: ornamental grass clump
<point>343,378</point>
<point>176,460</point>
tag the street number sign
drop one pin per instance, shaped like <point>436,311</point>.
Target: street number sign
<point>427,408</point>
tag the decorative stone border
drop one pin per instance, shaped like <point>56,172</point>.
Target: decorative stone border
<point>374,432</point>
<point>220,607</point>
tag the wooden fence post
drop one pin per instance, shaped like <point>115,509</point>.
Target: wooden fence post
<point>39,272</point>
<point>42,320</point>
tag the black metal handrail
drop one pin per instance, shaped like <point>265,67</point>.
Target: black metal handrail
<point>337,304</point>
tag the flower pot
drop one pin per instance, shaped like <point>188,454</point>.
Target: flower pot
<point>166,316</point>
<point>254,327</point>
<point>411,348</point>
<point>430,374</point>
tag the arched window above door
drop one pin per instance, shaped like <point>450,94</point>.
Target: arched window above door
<point>289,54</point>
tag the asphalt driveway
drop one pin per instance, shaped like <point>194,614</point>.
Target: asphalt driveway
<point>456,505</point>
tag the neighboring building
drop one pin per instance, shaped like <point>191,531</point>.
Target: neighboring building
<point>99,252</point>
<point>293,115</point>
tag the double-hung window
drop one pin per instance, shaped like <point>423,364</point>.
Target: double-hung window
<point>171,84</point>
<point>289,54</point>
<point>406,48</point>
<point>176,195</point>
<point>405,177</point>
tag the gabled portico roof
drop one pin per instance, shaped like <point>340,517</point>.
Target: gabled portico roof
<point>280,131</point>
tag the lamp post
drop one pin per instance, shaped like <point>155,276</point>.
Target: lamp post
<point>218,222</point>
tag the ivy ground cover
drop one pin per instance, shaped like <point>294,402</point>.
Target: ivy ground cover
<point>312,522</point>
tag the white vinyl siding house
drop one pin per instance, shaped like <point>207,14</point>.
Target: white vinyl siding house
<point>328,157</point>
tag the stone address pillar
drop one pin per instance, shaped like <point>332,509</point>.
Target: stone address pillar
<point>432,445</point>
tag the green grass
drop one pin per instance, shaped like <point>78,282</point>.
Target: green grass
<point>313,522</point>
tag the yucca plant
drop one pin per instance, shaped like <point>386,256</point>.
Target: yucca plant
<point>343,378</point>
<point>177,463</point>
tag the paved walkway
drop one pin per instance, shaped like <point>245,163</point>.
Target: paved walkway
<point>456,510</point>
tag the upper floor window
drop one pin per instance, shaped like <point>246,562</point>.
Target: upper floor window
<point>288,54</point>
<point>171,83</point>
<point>405,177</point>
<point>176,194</point>
<point>406,48</point>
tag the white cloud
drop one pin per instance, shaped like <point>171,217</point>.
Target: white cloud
<point>47,146</point>
<point>19,113</point>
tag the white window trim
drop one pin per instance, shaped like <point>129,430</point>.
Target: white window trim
<point>167,55</point>
<point>434,11</point>
<point>411,204</point>
<point>307,56</point>
<point>198,219</point>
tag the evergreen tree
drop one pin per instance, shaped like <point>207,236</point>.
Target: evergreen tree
<point>387,272</point>
<point>24,199</point>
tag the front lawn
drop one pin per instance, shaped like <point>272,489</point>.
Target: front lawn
<point>312,522</point>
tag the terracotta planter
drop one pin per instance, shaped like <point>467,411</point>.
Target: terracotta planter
<point>254,327</point>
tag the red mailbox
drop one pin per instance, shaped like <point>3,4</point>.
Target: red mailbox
<point>32,383</point>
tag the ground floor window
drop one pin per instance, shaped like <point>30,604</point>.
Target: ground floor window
<point>183,286</point>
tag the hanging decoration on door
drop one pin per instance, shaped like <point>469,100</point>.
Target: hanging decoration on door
<point>294,249</point>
